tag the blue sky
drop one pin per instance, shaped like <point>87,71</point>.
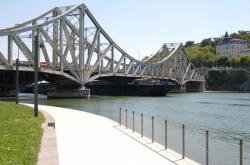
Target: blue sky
<point>142,26</point>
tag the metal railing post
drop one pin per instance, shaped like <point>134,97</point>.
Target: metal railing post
<point>166,134</point>
<point>126,118</point>
<point>152,129</point>
<point>241,151</point>
<point>142,125</point>
<point>183,141</point>
<point>133,121</point>
<point>120,116</point>
<point>207,147</point>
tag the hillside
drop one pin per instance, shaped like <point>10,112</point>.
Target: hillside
<point>203,54</point>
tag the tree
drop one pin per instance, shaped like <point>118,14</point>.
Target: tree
<point>242,32</point>
<point>235,62</point>
<point>207,42</point>
<point>245,60</point>
<point>145,58</point>
<point>209,62</point>
<point>235,35</point>
<point>201,56</point>
<point>222,60</point>
<point>189,43</point>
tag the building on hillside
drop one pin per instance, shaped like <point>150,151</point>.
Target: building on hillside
<point>232,47</point>
<point>245,52</point>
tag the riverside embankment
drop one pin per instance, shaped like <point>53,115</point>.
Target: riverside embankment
<point>228,80</point>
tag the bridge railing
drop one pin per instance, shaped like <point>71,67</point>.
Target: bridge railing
<point>187,141</point>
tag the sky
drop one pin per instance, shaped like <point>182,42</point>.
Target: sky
<point>141,27</point>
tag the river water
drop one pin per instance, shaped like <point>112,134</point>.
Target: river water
<point>226,112</point>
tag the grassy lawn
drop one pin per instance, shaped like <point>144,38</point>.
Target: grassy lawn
<point>20,134</point>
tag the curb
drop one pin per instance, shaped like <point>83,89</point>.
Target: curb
<point>48,154</point>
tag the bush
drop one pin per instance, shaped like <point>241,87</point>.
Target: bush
<point>222,60</point>
<point>245,60</point>
<point>235,62</point>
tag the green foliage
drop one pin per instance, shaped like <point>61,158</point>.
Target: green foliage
<point>235,35</point>
<point>244,36</point>
<point>189,43</point>
<point>222,60</point>
<point>20,134</point>
<point>207,42</point>
<point>145,58</point>
<point>235,62</point>
<point>210,62</point>
<point>245,60</point>
<point>201,55</point>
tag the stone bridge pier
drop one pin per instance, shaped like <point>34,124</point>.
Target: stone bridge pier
<point>190,86</point>
<point>195,86</point>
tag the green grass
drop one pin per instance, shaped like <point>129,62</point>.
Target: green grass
<point>20,134</point>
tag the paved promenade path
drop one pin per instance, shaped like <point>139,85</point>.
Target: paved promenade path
<point>85,138</point>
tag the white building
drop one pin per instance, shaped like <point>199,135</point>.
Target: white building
<point>232,47</point>
<point>245,52</point>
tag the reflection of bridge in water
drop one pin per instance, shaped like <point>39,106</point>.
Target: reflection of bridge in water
<point>79,52</point>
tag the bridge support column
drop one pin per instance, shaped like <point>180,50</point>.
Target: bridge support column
<point>179,89</point>
<point>10,49</point>
<point>81,45</point>
<point>195,86</point>
<point>78,93</point>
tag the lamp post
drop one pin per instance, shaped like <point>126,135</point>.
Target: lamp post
<point>17,77</point>
<point>36,75</point>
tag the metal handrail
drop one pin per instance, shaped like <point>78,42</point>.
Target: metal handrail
<point>203,128</point>
<point>183,126</point>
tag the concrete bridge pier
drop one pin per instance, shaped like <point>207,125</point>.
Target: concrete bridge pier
<point>179,89</point>
<point>70,93</point>
<point>190,86</point>
<point>195,86</point>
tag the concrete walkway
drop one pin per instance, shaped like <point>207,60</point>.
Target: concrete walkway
<point>85,138</point>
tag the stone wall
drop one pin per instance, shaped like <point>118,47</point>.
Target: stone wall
<point>226,80</point>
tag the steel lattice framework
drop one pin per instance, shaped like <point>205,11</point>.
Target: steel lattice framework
<point>75,46</point>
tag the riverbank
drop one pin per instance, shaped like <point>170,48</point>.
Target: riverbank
<point>85,138</point>
<point>20,134</point>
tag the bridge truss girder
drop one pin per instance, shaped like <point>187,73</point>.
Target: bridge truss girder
<point>72,41</point>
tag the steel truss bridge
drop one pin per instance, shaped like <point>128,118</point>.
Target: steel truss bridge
<point>78,50</point>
